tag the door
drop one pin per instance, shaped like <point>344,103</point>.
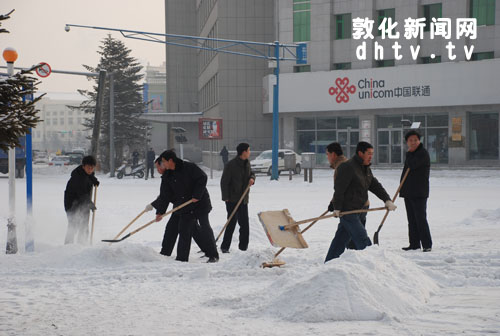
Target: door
<point>389,146</point>
<point>348,140</point>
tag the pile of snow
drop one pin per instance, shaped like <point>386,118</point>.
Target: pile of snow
<point>361,286</point>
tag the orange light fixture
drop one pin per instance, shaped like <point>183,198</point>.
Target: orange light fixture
<point>10,55</point>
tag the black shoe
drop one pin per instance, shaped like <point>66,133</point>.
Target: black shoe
<point>427,249</point>
<point>224,250</point>
<point>164,254</point>
<point>212,260</point>
<point>409,248</point>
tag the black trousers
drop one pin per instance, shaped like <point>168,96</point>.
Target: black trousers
<point>150,167</point>
<point>418,228</point>
<point>171,233</point>
<point>241,216</point>
<point>203,235</point>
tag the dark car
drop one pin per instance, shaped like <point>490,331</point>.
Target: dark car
<point>75,158</point>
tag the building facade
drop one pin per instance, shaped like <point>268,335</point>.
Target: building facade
<point>61,128</point>
<point>341,96</point>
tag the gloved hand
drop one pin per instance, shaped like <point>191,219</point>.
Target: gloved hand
<point>149,207</point>
<point>336,213</point>
<point>389,205</point>
<point>96,182</point>
<point>330,207</point>
<point>92,206</point>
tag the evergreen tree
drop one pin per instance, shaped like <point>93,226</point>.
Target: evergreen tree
<point>16,116</point>
<point>130,130</point>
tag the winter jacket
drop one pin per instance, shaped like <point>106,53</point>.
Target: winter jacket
<point>150,157</point>
<point>339,160</point>
<point>178,186</point>
<point>417,182</point>
<point>78,190</point>
<point>353,182</point>
<point>225,154</point>
<point>235,177</point>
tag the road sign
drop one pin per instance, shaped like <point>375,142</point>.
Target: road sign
<point>301,53</point>
<point>43,70</point>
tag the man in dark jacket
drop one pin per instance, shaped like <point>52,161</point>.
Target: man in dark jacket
<point>354,180</point>
<point>150,161</point>
<point>415,191</point>
<point>185,181</point>
<point>77,200</point>
<point>225,155</point>
<point>236,177</point>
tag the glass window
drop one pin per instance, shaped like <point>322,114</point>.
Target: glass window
<point>305,141</point>
<point>305,124</point>
<point>432,11</point>
<point>342,66</point>
<point>70,121</point>
<point>61,120</point>
<point>483,11</point>
<point>345,122</point>
<point>385,13</point>
<point>47,122</point>
<point>384,63</point>
<point>54,121</point>
<point>301,20</point>
<point>437,144</point>
<point>482,56</point>
<point>436,120</point>
<point>429,60</point>
<point>483,136</point>
<point>389,122</point>
<point>327,123</point>
<point>343,25</point>
<point>302,68</point>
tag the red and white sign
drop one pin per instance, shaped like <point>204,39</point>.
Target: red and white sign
<point>43,70</point>
<point>210,129</point>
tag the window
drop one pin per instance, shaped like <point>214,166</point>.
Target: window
<point>385,13</point>
<point>429,60</point>
<point>70,121</point>
<point>483,136</point>
<point>54,121</point>
<point>482,56</point>
<point>302,68</point>
<point>343,24</point>
<point>384,63</point>
<point>432,11</point>
<point>342,66</point>
<point>301,20</point>
<point>61,120</point>
<point>483,11</point>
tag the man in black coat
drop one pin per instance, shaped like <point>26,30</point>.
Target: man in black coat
<point>185,181</point>
<point>150,161</point>
<point>236,177</point>
<point>77,200</point>
<point>415,191</point>
<point>225,155</point>
<point>354,180</point>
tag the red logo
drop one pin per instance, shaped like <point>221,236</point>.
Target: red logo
<point>342,90</point>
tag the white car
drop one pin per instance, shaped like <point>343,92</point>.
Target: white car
<point>60,160</point>
<point>263,162</point>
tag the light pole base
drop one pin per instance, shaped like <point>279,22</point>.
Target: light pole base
<point>11,238</point>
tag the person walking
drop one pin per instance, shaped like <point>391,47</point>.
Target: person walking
<point>185,181</point>
<point>225,155</point>
<point>77,200</point>
<point>354,180</point>
<point>415,192</point>
<point>150,162</point>
<point>236,177</point>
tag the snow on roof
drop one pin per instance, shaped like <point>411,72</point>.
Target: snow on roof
<point>62,96</point>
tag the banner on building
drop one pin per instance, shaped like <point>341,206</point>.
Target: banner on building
<point>210,129</point>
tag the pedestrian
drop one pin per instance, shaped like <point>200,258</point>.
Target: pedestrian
<point>335,156</point>
<point>236,177</point>
<point>225,155</point>
<point>77,200</point>
<point>415,192</point>
<point>135,158</point>
<point>354,180</point>
<point>172,227</point>
<point>185,181</point>
<point>150,162</point>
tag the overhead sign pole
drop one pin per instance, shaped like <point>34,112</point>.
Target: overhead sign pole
<point>271,51</point>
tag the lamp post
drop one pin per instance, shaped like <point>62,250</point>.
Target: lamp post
<point>10,56</point>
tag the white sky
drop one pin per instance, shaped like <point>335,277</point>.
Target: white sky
<point>37,33</point>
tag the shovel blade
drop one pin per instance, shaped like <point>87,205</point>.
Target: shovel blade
<point>375,238</point>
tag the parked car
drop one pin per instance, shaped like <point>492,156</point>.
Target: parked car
<point>263,162</point>
<point>75,157</point>
<point>41,159</point>
<point>60,160</point>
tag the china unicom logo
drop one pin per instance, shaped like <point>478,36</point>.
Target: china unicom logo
<point>342,90</point>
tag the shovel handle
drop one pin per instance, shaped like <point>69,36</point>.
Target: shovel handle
<point>127,226</point>
<point>234,211</point>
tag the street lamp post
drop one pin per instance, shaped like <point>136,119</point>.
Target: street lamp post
<point>10,56</point>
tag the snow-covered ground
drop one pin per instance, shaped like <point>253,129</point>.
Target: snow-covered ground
<point>128,288</point>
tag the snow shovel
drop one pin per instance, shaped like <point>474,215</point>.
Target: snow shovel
<point>132,222</point>
<point>234,211</point>
<point>375,236</point>
<point>276,261</point>
<point>147,224</point>
<point>93,215</point>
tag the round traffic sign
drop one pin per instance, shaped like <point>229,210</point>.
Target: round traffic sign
<point>43,70</point>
